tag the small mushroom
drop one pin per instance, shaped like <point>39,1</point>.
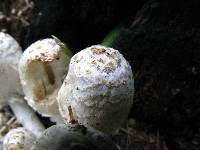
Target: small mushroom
<point>18,139</point>
<point>73,137</point>
<point>10,90</point>
<point>98,90</point>
<point>42,69</point>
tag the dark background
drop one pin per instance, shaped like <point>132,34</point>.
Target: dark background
<point>160,39</point>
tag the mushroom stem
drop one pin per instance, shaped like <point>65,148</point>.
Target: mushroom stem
<point>26,116</point>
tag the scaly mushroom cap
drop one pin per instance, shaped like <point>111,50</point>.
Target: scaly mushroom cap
<point>18,139</point>
<point>42,69</point>
<point>10,53</point>
<point>98,90</point>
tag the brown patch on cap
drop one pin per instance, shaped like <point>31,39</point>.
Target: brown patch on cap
<point>94,62</point>
<point>101,60</point>
<point>46,57</point>
<point>109,67</point>
<point>98,50</point>
<point>112,55</point>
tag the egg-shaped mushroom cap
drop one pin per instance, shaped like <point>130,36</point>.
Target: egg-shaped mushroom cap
<point>18,139</point>
<point>73,137</point>
<point>42,69</point>
<point>98,90</point>
<point>10,53</point>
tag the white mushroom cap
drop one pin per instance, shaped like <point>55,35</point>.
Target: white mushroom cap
<point>10,53</point>
<point>11,90</point>
<point>42,69</point>
<point>98,90</point>
<point>18,139</point>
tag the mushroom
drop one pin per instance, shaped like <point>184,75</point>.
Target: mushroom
<point>10,89</point>
<point>98,89</point>
<point>42,69</point>
<point>10,52</point>
<point>73,137</point>
<point>18,139</point>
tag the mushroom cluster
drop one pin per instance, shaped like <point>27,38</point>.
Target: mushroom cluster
<point>93,90</point>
